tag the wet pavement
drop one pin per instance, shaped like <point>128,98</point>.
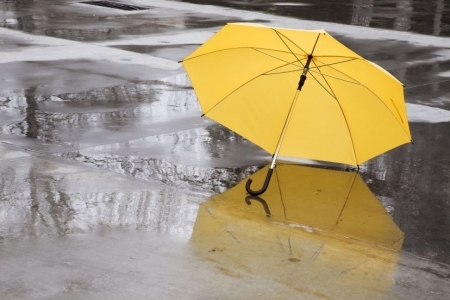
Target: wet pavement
<point>112,184</point>
<point>420,16</point>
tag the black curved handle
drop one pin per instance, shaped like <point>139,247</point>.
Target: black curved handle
<point>264,187</point>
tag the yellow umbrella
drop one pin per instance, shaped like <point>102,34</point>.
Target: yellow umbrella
<point>252,79</point>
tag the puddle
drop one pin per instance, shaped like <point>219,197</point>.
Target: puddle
<point>48,198</point>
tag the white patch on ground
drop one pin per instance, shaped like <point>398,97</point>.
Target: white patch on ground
<point>295,160</point>
<point>185,37</point>
<point>444,74</point>
<point>304,227</point>
<point>290,4</point>
<point>295,225</point>
<point>62,170</point>
<point>441,55</point>
<point>11,21</point>
<point>51,49</point>
<point>57,99</point>
<point>426,114</point>
<point>11,154</point>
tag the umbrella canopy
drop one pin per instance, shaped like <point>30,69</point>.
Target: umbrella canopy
<point>252,79</point>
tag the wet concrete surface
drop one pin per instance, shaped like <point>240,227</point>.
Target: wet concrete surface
<point>78,21</point>
<point>420,16</point>
<point>103,151</point>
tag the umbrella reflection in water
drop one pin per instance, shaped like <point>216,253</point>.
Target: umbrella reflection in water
<point>312,226</point>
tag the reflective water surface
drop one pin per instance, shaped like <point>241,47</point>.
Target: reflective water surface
<point>238,237</point>
<point>89,143</point>
<point>325,201</point>
<point>77,21</point>
<point>41,197</point>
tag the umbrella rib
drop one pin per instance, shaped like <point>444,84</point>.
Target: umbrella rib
<point>277,73</point>
<point>331,66</point>
<point>245,83</point>
<point>385,105</point>
<point>334,77</point>
<point>335,63</point>
<point>343,56</point>
<point>376,96</point>
<point>333,95</point>
<point>234,48</point>
<point>280,35</point>
<point>315,44</point>
<point>287,62</point>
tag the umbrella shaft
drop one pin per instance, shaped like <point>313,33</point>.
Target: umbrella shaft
<point>300,85</point>
<point>274,158</point>
<point>302,80</point>
<point>305,71</point>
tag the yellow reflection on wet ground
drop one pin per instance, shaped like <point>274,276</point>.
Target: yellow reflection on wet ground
<point>315,231</point>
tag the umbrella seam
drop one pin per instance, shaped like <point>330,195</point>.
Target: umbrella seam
<point>227,49</point>
<point>385,105</point>
<point>315,44</point>
<point>287,62</point>
<point>342,111</point>
<point>329,92</point>
<point>379,99</point>
<point>336,63</point>
<point>280,35</point>
<point>352,57</point>
<point>337,78</point>
<point>239,87</point>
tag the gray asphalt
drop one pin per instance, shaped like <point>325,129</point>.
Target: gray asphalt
<point>106,164</point>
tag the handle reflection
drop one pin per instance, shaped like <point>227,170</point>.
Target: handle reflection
<point>261,200</point>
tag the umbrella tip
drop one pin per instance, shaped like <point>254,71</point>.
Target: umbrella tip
<point>412,142</point>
